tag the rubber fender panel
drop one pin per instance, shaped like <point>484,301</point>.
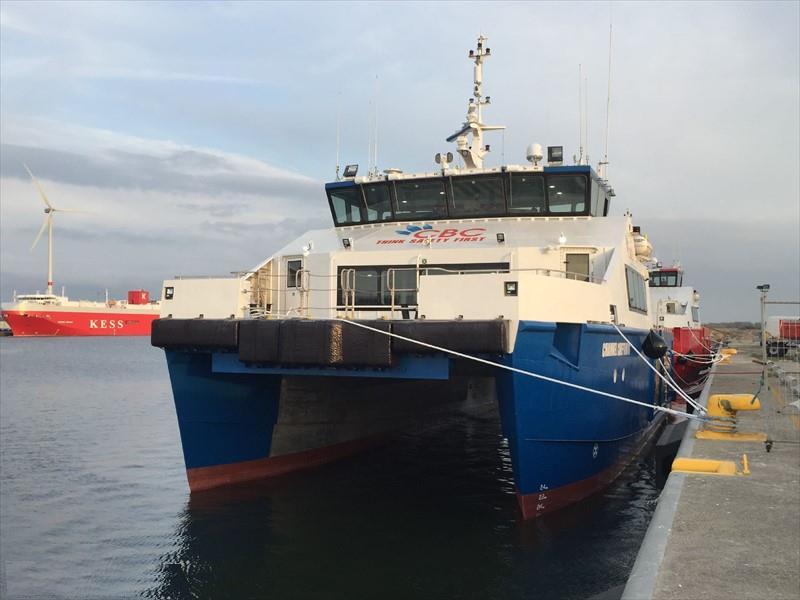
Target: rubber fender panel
<point>461,336</point>
<point>364,347</point>
<point>259,341</point>
<point>654,345</point>
<point>202,334</point>
<point>333,343</point>
<point>303,342</point>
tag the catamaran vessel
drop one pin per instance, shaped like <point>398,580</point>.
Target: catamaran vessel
<point>677,307</point>
<point>511,283</point>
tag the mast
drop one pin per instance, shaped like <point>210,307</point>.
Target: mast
<point>473,152</point>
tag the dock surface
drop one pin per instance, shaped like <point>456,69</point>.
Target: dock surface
<point>730,537</point>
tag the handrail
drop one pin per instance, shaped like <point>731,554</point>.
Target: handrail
<point>548,272</point>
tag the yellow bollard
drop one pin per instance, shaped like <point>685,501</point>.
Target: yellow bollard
<point>708,466</point>
<point>727,405</point>
<point>724,408</point>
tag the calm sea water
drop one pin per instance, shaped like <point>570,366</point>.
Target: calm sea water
<point>94,503</point>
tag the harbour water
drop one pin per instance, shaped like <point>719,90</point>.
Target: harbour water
<point>94,503</point>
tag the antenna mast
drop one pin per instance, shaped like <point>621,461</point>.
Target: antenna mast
<point>473,153</point>
<point>375,161</point>
<point>603,166</point>
<point>338,130</point>
<point>580,115</point>
<point>586,117</point>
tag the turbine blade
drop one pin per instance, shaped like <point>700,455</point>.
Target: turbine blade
<point>39,187</point>
<point>41,231</point>
<point>85,212</point>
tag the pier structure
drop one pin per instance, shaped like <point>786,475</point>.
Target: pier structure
<point>735,535</point>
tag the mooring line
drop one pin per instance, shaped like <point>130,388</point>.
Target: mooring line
<point>524,372</point>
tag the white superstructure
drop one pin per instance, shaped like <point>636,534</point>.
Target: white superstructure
<point>674,304</point>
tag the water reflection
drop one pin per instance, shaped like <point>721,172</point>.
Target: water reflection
<point>431,515</point>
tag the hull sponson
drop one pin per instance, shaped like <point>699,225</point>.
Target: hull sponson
<point>238,427</point>
<point>567,443</point>
<point>223,419</point>
<point>47,323</point>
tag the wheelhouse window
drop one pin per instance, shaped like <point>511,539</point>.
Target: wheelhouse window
<point>421,199</point>
<point>566,194</point>
<point>379,202</point>
<point>526,194</point>
<point>665,279</point>
<point>346,205</point>
<point>474,196</point>
<point>559,193</point>
<point>637,293</point>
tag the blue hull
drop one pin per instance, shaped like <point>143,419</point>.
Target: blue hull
<point>239,422</point>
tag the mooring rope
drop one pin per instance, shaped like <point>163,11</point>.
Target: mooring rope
<point>674,387</point>
<point>576,386</point>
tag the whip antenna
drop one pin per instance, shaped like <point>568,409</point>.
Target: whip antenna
<point>580,115</point>
<point>586,117</point>
<point>338,130</point>
<point>603,167</point>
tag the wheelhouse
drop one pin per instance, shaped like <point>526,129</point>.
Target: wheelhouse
<point>666,278</point>
<point>549,192</point>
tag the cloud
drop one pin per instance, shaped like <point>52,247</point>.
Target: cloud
<point>154,208</point>
<point>105,159</point>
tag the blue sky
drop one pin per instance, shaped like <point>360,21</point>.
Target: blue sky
<point>198,135</point>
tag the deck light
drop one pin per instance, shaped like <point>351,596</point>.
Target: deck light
<point>510,288</point>
<point>501,237</point>
<point>555,154</point>
<point>350,170</point>
<point>347,243</point>
<point>562,239</point>
<point>763,287</point>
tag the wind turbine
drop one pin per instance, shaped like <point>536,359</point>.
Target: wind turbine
<point>49,211</point>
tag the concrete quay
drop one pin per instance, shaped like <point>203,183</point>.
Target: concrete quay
<point>729,537</point>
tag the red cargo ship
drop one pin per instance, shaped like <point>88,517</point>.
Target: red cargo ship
<point>50,315</point>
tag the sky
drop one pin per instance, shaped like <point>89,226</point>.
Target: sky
<point>196,137</point>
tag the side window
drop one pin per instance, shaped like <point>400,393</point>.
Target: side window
<point>566,194</point>
<point>695,314</point>
<point>595,198</point>
<point>292,268</point>
<point>637,293</point>
<point>346,204</point>
<point>526,194</point>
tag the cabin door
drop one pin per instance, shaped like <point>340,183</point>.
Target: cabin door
<point>295,287</point>
<point>577,267</point>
